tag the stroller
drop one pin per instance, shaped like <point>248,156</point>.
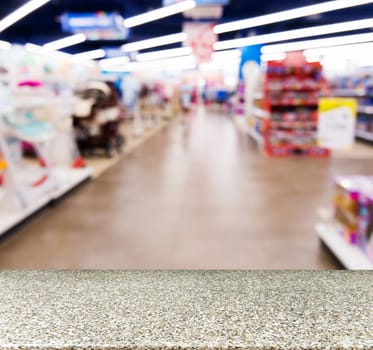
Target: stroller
<point>97,118</point>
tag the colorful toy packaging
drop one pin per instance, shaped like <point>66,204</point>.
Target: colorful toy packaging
<point>353,204</point>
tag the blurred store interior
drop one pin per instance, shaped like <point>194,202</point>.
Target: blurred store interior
<point>193,134</point>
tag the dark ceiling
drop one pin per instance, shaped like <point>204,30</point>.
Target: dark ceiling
<point>43,25</point>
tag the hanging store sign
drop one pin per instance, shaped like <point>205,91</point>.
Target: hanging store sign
<point>336,123</point>
<point>96,26</point>
<point>201,38</point>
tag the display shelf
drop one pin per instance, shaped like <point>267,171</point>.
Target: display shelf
<point>260,113</point>
<point>258,95</point>
<point>11,218</point>
<point>6,110</point>
<point>349,92</point>
<point>293,123</point>
<point>243,127</point>
<point>364,135</point>
<point>293,102</point>
<point>366,110</point>
<point>350,256</point>
<point>68,179</point>
<point>255,135</point>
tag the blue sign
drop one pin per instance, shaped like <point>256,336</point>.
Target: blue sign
<point>96,26</point>
<point>250,53</point>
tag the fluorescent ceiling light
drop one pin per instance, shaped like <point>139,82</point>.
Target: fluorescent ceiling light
<point>288,14</point>
<point>312,59</point>
<point>159,41</point>
<point>89,55</point>
<point>155,55</point>
<point>115,61</point>
<point>66,42</point>
<point>159,13</point>
<point>130,67</point>
<point>4,45</point>
<point>235,53</point>
<point>170,64</point>
<point>344,50</point>
<point>21,12</point>
<point>310,44</point>
<point>280,56</point>
<point>221,64</point>
<point>180,68</point>
<point>295,34</point>
<point>40,50</point>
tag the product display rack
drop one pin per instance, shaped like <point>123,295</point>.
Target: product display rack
<point>360,87</point>
<point>35,112</point>
<point>287,115</point>
<point>68,180</point>
<point>350,256</point>
<point>364,125</point>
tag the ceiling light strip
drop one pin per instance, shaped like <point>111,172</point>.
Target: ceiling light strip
<point>40,50</point>
<point>89,55</point>
<point>288,15</point>
<point>66,42</point>
<point>295,34</point>
<point>154,42</point>
<point>353,49</point>
<point>316,43</point>
<point>113,62</point>
<point>21,12</point>
<point>155,55</point>
<point>159,13</point>
<point>4,45</point>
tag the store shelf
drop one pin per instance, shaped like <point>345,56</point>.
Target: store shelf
<point>260,113</point>
<point>350,256</point>
<point>258,95</point>
<point>6,110</point>
<point>255,135</point>
<point>365,110</point>
<point>365,135</point>
<point>11,218</point>
<point>68,179</point>
<point>349,92</point>
<point>294,103</point>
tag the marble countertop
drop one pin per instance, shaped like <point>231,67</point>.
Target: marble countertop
<point>186,310</point>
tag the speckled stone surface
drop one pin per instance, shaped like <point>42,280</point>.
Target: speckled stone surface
<point>186,310</point>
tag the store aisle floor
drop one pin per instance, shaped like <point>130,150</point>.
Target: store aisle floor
<point>197,195</point>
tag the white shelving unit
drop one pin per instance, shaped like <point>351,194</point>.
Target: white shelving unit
<point>260,113</point>
<point>11,218</point>
<point>255,135</point>
<point>68,179</point>
<point>365,109</point>
<point>350,256</point>
<point>241,125</point>
<point>365,135</point>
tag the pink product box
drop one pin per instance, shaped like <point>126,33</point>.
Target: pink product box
<point>360,189</point>
<point>365,228</point>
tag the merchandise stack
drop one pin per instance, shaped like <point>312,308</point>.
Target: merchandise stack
<point>291,95</point>
<point>353,214</point>
<point>39,159</point>
<point>359,86</point>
